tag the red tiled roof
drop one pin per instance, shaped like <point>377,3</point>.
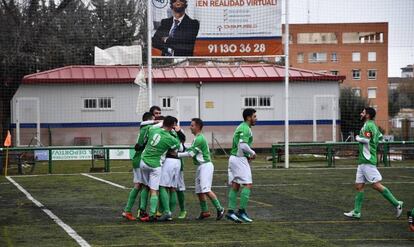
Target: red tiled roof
<point>126,74</point>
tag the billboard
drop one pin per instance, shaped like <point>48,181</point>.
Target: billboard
<point>210,28</point>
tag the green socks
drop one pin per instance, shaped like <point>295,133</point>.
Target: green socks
<point>203,206</point>
<point>181,200</point>
<point>153,205</point>
<point>359,197</point>
<point>217,204</point>
<point>173,200</point>
<point>165,200</point>
<point>244,197</point>
<point>144,199</point>
<point>388,195</point>
<point>131,199</point>
<point>232,199</point>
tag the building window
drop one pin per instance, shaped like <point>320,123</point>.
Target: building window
<point>372,93</point>
<point>362,37</point>
<point>372,56</point>
<point>356,56</point>
<point>165,103</point>
<point>356,74</point>
<point>317,57</point>
<point>317,38</point>
<point>300,57</point>
<point>104,103</point>
<point>334,72</point>
<point>89,103</point>
<point>334,57</point>
<point>372,74</point>
<point>257,101</point>
<point>356,91</point>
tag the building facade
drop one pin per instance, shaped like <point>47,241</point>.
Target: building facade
<point>99,103</point>
<point>358,51</point>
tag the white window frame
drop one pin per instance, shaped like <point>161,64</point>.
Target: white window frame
<point>356,78</point>
<point>356,56</point>
<point>167,98</point>
<point>318,58</point>
<point>257,98</point>
<point>334,72</point>
<point>300,57</point>
<point>336,59</point>
<point>355,90</point>
<point>97,102</point>
<point>372,56</point>
<point>372,78</point>
<point>368,90</point>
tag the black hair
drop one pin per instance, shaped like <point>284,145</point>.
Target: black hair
<point>153,108</point>
<point>147,116</point>
<point>371,112</point>
<point>248,112</point>
<point>169,121</point>
<point>173,1</point>
<point>198,122</point>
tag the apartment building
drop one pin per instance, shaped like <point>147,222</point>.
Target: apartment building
<point>358,51</point>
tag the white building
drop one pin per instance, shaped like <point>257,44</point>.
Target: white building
<point>98,103</point>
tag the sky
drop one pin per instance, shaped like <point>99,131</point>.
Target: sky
<point>398,13</point>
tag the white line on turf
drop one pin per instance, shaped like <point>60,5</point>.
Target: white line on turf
<point>105,181</point>
<point>69,230</point>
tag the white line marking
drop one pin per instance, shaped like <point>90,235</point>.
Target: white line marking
<point>82,242</point>
<point>105,181</point>
<point>253,169</point>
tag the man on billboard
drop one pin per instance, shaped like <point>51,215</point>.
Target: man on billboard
<point>176,35</point>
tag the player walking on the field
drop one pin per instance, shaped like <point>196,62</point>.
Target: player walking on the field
<point>410,215</point>
<point>240,173</point>
<point>200,153</point>
<point>367,171</point>
<point>139,147</point>
<point>160,141</point>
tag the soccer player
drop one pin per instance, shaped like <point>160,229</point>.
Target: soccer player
<point>240,174</point>
<point>170,173</point>
<point>367,171</point>
<point>155,110</point>
<point>410,215</point>
<point>139,147</point>
<point>200,153</point>
<point>160,141</point>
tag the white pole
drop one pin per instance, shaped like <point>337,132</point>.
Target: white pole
<point>334,107</point>
<point>17,123</point>
<point>286,83</point>
<point>315,137</point>
<point>38,143</point>
<point>149,51</point>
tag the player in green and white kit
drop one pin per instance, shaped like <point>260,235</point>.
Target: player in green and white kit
<point>410,215</point>
<point>200,153</point>
<point>367,171</point>
<point>239,167</point>
<point>139,147</point>
<point>160,141</point>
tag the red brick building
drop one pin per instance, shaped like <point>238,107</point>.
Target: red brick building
<point>358,51</point>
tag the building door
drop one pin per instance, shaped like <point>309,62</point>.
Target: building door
<point>187,108</point>
<point>27,117</point>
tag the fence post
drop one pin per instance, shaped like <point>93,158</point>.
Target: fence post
<point>106,158</point>
<point>330,156</point>
<point>50,161</point>
<point>386,151</point>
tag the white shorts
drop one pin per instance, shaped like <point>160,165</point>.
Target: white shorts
<point>170,173</point>
<point>367,173</point>
<point>239,170</point>
<point>137,175</point>
<point>150,176</point>
<point>204,178</point>
<point>180,182</point>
